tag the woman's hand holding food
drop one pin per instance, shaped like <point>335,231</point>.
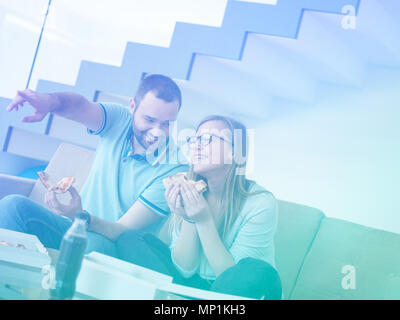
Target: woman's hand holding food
<point>183,199</point>
<point>174,199</point>
<point>195,205</point>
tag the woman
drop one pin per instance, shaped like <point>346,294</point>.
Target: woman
<point>221,240</point>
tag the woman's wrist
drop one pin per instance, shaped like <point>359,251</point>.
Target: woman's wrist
<point>189,228</point>
<point>203,217</point>
<point>188,220</point>
<point>206,221</point>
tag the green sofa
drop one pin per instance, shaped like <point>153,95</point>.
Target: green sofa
<point>317,257</point>
<point>324,258</point>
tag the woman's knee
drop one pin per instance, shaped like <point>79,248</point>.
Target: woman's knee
<point>256,265</point>
<point>250,278</point>
<point>263,277</point>
<point>129,237</point>
<point>99,243</point>
<point>127,241</point>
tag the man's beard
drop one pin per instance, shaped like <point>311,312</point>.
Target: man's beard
<point>140,138</point>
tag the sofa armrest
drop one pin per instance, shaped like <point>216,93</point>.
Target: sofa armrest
<point>15,185</point>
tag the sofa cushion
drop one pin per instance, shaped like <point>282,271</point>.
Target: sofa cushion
<point>68,160</point>
<point>297,227</point>
<point>350,261</point>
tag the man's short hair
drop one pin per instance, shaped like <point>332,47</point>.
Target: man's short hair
<point>163,87</point>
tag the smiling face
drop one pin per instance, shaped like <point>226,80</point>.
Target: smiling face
<point>215,157</point>
<point>152,118</point>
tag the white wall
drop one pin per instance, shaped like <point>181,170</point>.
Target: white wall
<point>341,155</point>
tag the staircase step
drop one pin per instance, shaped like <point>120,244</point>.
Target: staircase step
<point>32,145</point>
<point>73,132</point>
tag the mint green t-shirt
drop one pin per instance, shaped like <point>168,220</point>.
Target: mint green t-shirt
<point>251,235</point>
<point>118,179</point>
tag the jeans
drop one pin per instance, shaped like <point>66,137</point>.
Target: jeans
<point>250,277</point>
<point>21,214</point>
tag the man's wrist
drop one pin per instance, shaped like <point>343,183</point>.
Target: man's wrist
<point>55,102</point>
<point>87,217</point>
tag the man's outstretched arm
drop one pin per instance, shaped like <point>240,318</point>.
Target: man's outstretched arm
<point>69,105</point>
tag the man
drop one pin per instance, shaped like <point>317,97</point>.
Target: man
<point>124,190</point>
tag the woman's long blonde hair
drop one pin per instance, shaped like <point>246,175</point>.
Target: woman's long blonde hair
<point>237,187</point>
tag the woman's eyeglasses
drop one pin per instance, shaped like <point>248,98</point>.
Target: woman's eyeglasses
<point>205,139</point>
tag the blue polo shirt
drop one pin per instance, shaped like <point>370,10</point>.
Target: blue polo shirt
<point>118,179</point>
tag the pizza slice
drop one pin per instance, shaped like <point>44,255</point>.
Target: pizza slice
<point>200,185</point>
<point>61,186</point>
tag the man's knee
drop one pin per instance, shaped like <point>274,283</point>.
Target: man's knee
<point>13,200</point>
<point>12,212</point>
<point>13,204</point>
